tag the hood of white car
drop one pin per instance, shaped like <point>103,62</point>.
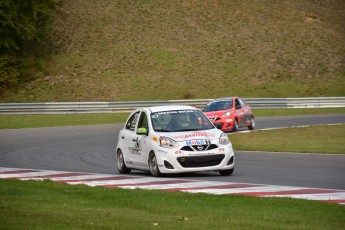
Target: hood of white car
<point>193,135</point>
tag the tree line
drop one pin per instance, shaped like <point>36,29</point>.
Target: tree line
<point>23,25</point>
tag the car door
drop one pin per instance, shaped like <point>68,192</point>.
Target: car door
<point>128,136</point>
<point>142,143</point>
<point>246,110</point>
<point>239,111</point>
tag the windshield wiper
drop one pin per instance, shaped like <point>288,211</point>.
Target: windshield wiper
<point>162,130</point>
<point>186,130</point>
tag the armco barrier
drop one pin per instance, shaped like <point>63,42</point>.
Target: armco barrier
<point>127,106</point>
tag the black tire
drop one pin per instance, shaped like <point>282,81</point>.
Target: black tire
<point>153,166</point>
<point>227,172</point>
<point>235,128</point>
<point>121,165</point>
<point>252,124</point>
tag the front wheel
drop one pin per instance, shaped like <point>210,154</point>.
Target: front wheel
<point>252,124</point>
<point>227,172</point>
<point>235,128</point>
<point>153,165</point>
<point>121,166</point>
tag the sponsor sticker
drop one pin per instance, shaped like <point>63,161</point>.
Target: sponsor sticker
<point>137,149</point>
<point>201,154</point>
<point>178,152</point>
<point>196,142</point>
<point>195,134</point>
<point>162,150</point>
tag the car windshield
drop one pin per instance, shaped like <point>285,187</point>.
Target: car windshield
<point>180,121</point>
<point>218,105</point>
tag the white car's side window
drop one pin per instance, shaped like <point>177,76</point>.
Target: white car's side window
<point>143,122</point>
<point>132,121</point>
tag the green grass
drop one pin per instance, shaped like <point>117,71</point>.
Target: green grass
<point>296,112</point>
<point>118,50</point>
<point>314,139</point>
<point>49,205</point>
<point>35,121</point>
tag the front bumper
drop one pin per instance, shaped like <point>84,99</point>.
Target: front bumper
<point>224,124</point>
<point>179,161</point>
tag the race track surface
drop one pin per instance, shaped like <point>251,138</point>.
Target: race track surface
<point>91,149</point>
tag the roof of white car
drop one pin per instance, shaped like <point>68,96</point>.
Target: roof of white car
<point>169,107</point>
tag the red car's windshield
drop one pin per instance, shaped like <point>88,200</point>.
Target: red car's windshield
<point>218,106</point>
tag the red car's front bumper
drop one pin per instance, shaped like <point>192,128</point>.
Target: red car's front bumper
<point>224,124</point>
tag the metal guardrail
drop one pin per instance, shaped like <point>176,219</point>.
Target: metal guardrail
<point>127,106</point>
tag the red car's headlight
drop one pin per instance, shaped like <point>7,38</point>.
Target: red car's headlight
<point>227,114</point>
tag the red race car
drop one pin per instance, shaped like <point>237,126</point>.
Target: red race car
<point>228,114</point>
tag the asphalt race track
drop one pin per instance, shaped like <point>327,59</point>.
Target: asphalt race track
<point>92,149</point>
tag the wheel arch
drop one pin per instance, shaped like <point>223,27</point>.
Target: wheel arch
<point>149,155</point>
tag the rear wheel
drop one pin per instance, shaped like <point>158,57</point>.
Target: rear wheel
<point>227,172</point>
<point>153,166</point>
<point>121,166</point>
<point>252,124</point>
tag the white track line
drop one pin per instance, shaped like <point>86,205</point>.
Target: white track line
<point>174,184</point>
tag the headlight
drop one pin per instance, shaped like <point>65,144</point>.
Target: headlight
<point>227,114</point>
<point>223,139</point>
<point>167,142</point>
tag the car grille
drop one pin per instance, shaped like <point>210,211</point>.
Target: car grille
<point>214,119</point>
<point>199,147</point>
<point>200,161</point>
<point>219,125</point>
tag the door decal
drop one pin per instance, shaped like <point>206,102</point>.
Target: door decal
<point>137,149</point>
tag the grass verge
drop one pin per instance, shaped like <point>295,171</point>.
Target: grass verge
<point>34,121</point>
<point>49,205</point>
<point>296,112</point>
<point>313,139</point>
<point>39,120</point>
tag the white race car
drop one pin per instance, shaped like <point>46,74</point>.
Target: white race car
<point>173,139</point>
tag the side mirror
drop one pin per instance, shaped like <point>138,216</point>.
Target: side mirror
<point>142,131</point>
